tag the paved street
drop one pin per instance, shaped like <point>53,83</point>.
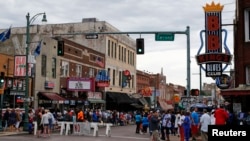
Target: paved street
<point>121,133</point>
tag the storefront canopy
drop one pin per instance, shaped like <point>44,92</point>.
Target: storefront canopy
<point>120,98</point>
<point>50,96</point>
<point>236,91</point>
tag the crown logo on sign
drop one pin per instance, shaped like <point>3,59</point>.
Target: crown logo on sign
<point>213,7</point>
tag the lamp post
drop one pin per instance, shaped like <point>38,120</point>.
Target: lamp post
<point>29,22</point>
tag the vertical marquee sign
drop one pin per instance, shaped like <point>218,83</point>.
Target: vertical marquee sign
<point>213,56</point>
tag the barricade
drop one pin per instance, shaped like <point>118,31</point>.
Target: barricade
<point>81,128</point>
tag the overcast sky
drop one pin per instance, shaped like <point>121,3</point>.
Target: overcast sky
<point>135,15</point>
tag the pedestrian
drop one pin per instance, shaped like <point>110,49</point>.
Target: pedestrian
<point>138,121</point>
<point>154,126</point>
<point>145,123</point>
<point>6,119</point>
<point>177,119</point>
<point>186,126</point>
<point>221,116</point>
<point>212,117</point>
<point>180,125</point>
<point>166,126</point>
<point>18,119</point>
<point>45,123</point>
<point>39,124</point>
<point>205,120</point>
<point>195,123</point>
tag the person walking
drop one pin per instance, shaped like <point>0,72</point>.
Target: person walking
<point>166,126</point>
<point>45,123</point>
<point>186,126</point>
<point>6,119</point>
<point>138,119</point>
<point>205,120</point>
<point>221,116</point>
<point>145,123</point>
<point>195,122</point>
<point>39,124</point>
<point>177,119</point>
<point>154,126</point>
<point>180,125</point>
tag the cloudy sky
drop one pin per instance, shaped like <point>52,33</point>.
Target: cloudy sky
<point>135,15</point>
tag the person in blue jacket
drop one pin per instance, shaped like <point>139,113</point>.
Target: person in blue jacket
<point>145,123</point>
<point>138,119</point>
<point>186,126</point>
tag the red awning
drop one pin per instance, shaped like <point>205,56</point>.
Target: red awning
<point>51,96</point>
<point>165,106</point>
<point>236,91</point>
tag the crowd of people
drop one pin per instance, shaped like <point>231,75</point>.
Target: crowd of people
<point>158,124</point>
<point>186,124</point>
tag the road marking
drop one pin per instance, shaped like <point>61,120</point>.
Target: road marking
<point>125,137</point>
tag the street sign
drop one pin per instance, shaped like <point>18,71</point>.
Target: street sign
<point>91,36</point>
<point>164,36</point>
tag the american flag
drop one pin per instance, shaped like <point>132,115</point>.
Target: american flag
<point>99,62</point>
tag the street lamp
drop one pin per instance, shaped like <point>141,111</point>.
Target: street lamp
<point>29,22</point>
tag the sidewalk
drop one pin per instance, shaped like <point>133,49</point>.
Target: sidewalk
<point>6,133</point>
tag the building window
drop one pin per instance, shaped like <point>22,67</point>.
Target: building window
<point>112,49</point>
<point>247,25</point>
<point>53,67</point>
<point>248,75</point>
<point>44,65</point>
<point>125,55</point>
<point>65,69</point>
<point>108,47</point>
<point>115,50</point>
<point>122,54</point>
<point>120,78</point>
<point>91,72</point>
<point>113,77</point>
<point>78,70</point>
<point>119,52</point>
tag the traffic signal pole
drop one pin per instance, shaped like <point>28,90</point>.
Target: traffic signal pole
<point>94,35</point>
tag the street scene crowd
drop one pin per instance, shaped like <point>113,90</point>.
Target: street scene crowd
<point>158,124</point>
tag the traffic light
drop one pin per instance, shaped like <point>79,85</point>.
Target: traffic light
<point>60,48</point>
<point>185,92</point>
<point>140,46</point>
<point>195,92</point>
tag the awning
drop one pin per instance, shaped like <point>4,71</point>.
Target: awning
<point>96,101</point>
<point>165,106</point>
<point>143,101</point>
<point>120,98</point>
<point>236,91</point>
<point>50,96</point>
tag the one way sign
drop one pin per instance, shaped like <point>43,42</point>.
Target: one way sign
<point>91,36</point>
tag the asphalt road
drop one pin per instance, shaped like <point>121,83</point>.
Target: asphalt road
<point>118,133</point>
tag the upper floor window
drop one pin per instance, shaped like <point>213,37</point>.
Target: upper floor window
<point>247,25</point>
<point>65,69</point>
<point>78,70</point>
<point>53,68</point>
<point>248,75</point>
<point>44,65</point>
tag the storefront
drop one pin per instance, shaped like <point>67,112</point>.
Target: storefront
<point>50,100</point>
<point>95,100</point>
<point>238,98</point>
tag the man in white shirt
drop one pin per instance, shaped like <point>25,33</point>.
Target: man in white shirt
<point>205,120</point>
